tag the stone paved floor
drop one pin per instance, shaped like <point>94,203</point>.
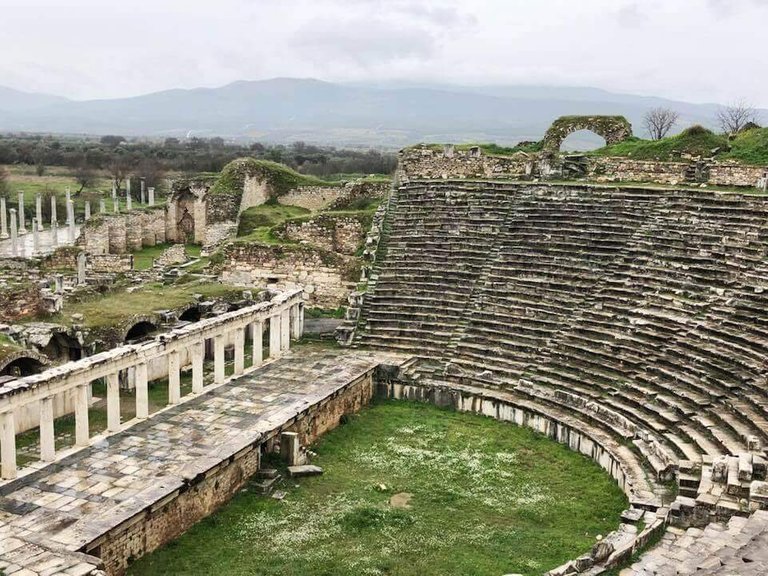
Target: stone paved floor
<point>739,548</point>
<point>26,242</point>
<point>69,503</point>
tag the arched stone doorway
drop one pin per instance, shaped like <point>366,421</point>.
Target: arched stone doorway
<point>612,128</point>
<point>191,314</point>
<point>581,141</point>
<point>185,218</point>
<point>140,331</point>
<point>21,364</point>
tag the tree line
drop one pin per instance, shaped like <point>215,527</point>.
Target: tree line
<point>120,157</point>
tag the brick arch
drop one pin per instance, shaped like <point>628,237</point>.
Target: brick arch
<point>612,128</point>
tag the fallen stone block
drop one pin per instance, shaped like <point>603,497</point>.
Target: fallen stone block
<point>304,470</point>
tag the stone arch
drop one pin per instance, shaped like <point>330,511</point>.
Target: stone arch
<point>63,348</point>
<point>140,329</point>
<point>186,215</point>
<point>612,128</point>
<point>191,314</point>
<point>22,363</point>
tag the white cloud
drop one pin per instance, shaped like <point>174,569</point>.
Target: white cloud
<point>702,50</point>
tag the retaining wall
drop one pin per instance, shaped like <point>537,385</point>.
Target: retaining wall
<point>200,492</point>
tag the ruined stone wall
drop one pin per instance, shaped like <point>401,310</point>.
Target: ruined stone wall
<point>732,174</point>
<point>116,236</point>
<point>110,263</point>
<point>222,207</point>
<point>64,257</point>
<point>125,232</point>
<point>341,234</point>
<point>615,169</point>
<point>360,189</point>
<point>201,492</point>
<point>317,198</point>
<point>312,197</point>
<point>324,276</point>
<point>255,192</point>
<point>18,301</point>
<point>429,163</point>
<point>215,234</point>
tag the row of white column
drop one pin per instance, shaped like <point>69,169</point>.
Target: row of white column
<point>287,324</point>
<point>13,222</point>
<point>17,225</point>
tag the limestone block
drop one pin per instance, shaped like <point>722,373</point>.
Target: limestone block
<point>758,493</point>
<point>290,448</point>
<point>304,470</point>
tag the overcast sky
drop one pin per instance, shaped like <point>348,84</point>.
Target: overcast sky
<point>696,50</point>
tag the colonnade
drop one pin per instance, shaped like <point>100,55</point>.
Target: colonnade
<point>283,316</point>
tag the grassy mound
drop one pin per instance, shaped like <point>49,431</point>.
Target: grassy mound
<point>257,222</point>
<point>280,178</point>
<point>409,489</point>
<point>750,147</point>
<point>696,140</point>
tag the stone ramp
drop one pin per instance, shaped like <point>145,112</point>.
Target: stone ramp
<point>74,502</point>
<point>737,548</point>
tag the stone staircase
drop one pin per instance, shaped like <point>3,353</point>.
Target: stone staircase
<point>738,547</point>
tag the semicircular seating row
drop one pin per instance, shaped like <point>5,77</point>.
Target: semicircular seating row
<point>642,311</point>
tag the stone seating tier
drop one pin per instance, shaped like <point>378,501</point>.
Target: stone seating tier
<point>627,306</point>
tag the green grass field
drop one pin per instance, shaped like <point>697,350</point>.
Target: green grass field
<point>143,259</point>
<point>256,223</point>
<point>485,498</point>
<point>116,307</point>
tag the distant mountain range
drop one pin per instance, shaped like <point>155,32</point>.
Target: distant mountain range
<point>285,110</point>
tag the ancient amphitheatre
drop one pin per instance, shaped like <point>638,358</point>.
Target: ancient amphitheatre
<point>607,305</point>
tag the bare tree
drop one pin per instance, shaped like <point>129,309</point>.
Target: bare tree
<point>732,119</point>
<point>152,171</point>
<point>659,121</point>
<point>119,166</point>
<point>85,176</point>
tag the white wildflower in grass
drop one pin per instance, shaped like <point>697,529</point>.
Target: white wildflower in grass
<point>506,457</point>
<point>408,430</point>
<point>474,493</point>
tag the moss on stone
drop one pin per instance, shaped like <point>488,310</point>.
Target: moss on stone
<point>8,347</point>
<point>280,178</point>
